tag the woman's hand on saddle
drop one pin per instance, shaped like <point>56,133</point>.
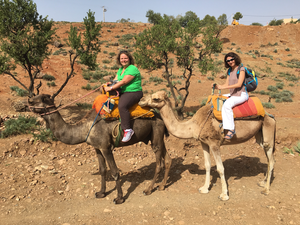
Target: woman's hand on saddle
<point>106,89</point>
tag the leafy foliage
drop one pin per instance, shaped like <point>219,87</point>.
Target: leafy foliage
<point>25,37</point>
<point>256,24</point>
<point>153,17</point>
<point>88,48</point>
<point>189,17</point>
<point>238,16</point>
<point>20,92</point>
<point>275,22</point>
<point>157,45</point>
<point>21,125</point>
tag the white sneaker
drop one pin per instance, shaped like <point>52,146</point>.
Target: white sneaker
<point>127,135</point>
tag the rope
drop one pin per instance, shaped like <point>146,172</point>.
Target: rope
<point>99,113</point>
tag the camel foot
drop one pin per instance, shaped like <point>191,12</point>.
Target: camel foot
<point>147,192</point>
<point>261,184</point>
<point>100,194</point>
<point>223,197</point>
<point>265,191</point>
<point>161,187</point>
<point>118,200</point>
<point>203,190</point>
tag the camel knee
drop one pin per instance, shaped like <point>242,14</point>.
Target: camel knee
<point>116,176</point>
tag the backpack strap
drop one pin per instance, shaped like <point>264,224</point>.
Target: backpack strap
<point>238,71</point>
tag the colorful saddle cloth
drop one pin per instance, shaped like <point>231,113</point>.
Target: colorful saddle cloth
<point>112,106</point>
<point>250,109</point>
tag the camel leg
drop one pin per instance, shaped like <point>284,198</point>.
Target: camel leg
<point>168,161</point>
<point>115,174</point>
<point>268,129</point>
<point>207,162</point>
<point>220,168</point>
<point>102,171</point>
<point>158,155</point>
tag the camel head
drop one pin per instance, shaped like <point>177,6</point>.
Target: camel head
<point>40,104</point>
<point>156,100</point>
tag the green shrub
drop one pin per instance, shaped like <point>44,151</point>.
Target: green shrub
<point>106,61</point>
<point>51,84</point>
<point>21,125</point>
<point>256,24</point>
<point>287,49</point>
<point>112,54</point>
<point>115,67</point>
<point>233,43</point>
<point>84,105</point>
<point>275,51</point>
<point>48,77</point>
<point>272,88</point>
<point>280,85</point>
<point>20,92</point>
<point>268,105</point>
<point>87,87</point>
<point>44,135</point>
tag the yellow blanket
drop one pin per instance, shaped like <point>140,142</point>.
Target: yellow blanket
<point>135,110</point>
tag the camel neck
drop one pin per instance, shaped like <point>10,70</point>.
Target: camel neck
<point>178,128</point>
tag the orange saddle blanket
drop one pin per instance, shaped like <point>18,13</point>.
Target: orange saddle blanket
<point>249,109</point>
<point>135,110</point>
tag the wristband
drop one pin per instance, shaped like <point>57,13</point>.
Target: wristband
<point>111,88</point>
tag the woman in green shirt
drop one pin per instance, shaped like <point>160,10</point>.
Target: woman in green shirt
<point>130,84</point>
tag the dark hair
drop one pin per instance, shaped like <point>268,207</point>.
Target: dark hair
<point>131,59</point>
<point>237,59</point>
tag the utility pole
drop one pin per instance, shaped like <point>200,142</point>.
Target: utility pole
<point>104,10</point>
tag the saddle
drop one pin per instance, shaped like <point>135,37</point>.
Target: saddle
<point>109,108</point>
<point>252,108</point>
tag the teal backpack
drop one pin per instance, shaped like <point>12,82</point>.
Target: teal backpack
<point>250,81</point>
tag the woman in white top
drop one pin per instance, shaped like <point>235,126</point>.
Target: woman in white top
<point>237,94</point>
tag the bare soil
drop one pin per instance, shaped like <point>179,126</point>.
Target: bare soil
<point>55,183</point>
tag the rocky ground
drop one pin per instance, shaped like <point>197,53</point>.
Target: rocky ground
<point>54,183</point>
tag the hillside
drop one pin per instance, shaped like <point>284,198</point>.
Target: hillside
<point>31,193</point>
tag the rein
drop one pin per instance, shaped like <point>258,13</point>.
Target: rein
<point>50,106</point>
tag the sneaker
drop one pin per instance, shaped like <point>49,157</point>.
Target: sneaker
<point>127,135</point>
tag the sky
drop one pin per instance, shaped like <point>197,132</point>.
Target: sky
<point>260,11</point>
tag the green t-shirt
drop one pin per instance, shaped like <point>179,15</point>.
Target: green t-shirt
<point>134,85</point>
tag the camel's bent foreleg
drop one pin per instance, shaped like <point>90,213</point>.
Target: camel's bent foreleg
<point>102,171</point>
<point>207,163</point>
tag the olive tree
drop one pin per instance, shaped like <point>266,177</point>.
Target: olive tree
<point>238,16</point>
<point>25,37</point>
<point>156,46</point>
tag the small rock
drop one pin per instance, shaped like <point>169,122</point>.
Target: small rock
<point>106,210</point>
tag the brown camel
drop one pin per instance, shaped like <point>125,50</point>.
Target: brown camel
<point>101,139</point>
<point>205,128</point>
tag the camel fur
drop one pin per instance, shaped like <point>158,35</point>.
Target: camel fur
<point>205,128</point>
<point>101,139</point>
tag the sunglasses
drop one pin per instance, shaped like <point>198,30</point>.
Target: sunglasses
<point>229,60</point>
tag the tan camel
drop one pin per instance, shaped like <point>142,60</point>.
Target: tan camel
<point>101,139</point>
<point>205,128</point>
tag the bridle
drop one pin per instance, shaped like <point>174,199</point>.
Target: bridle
<point>32,108</point>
